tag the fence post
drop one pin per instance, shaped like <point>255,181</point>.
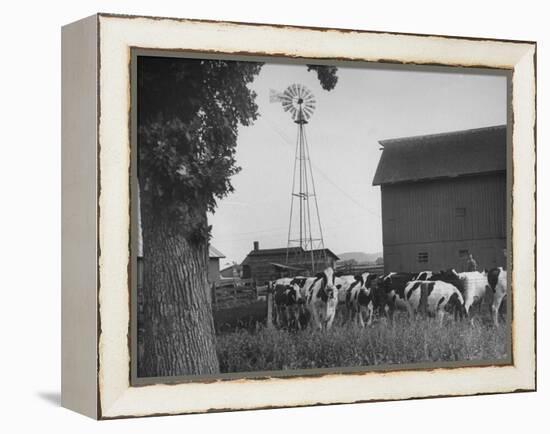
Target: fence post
<point>213,296</point>
<point>269,300</point>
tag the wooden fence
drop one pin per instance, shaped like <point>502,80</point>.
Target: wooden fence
<point>360,269</point>
<point>235,292</point>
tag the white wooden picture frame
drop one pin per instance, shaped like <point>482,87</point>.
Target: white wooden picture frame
<point>96,144</point>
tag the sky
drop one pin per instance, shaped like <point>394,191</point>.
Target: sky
<point>369,104</point>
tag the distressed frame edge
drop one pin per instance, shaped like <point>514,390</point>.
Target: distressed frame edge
<point>302,27</point>
<point>530,384</point>
<point>79,272</point>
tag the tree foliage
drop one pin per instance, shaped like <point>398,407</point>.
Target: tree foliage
<point>189,113</point>
<point>326,75</point>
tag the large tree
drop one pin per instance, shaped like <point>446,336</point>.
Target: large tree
<point>189,111</point>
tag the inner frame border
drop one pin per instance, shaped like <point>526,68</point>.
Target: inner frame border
<point>136,381</point>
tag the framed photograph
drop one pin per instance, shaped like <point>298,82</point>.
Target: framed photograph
<point>261,216</point>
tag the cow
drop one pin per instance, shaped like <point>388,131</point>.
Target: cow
<point>359,300</point>
<point>424,275</point>
<point>389,294</point>
<point>498,283</point>
<point>322,299</point>
<point>302,284</point>
<point>345,282</point>
<point>449,276</point>
<point>433,298</point>
<point>288,303</point>
<point>474,286</point>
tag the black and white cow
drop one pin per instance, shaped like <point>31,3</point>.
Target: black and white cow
<point>359,300</point>
<point>449,276</point>
<point>498,283</point>
<point>389,294</point>
<point>434,298</point>
<point>322,299</point>
<point>344,282</point>
<point>302,284</point>
<point>475,286</point>
<point>424,275</point>
<point>288,303</point>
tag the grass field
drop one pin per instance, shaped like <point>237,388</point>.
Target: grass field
<point>384,343</point>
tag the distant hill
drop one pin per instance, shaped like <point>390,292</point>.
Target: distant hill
<point>360,257</point>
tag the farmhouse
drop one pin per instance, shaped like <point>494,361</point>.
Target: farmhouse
<point>444,197</point>
<point>266,264</point>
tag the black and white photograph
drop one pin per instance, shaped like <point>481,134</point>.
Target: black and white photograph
<point>278,217</point>
<point>302,218</point>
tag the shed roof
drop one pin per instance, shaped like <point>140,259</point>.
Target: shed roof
<point>286,267</point>
<point>282,251</point>
<point>214,253</point>
<point>446,155</point>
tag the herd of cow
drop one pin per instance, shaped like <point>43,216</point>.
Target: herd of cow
<point>300,300</point>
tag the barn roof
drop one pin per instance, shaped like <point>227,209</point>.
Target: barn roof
<point>446,155</point>
<point>214,253</point>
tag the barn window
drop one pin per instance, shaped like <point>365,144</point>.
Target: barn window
<point>423,257</point>
<point>460,212</point>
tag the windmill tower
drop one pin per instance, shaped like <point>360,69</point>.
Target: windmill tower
<point>305,246</point>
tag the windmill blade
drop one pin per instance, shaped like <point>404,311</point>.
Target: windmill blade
<point>287,104</point>
<point>310,105</point>
<point>286,100</point>
<point>309,96</point>
<point>288,94</point>
<point>308,110</point>
<point>293,112</point>
<point>307,114</point>
<point>302,91</point>
<point>311,101</point>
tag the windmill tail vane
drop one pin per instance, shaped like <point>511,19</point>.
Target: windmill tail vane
<point>275,96</point>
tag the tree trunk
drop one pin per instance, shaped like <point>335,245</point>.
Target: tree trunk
<point>178,329</point>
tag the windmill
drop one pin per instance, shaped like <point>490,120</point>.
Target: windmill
<point>304,229</point>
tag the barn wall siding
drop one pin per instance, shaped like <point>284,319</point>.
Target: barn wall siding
<point>442,217</point>
<point>487,253</point>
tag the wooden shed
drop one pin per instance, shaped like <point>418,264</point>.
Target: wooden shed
<point>266,264</point>
<point>444,196</point>
<point>214,256</point>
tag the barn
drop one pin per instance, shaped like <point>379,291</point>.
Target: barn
<point>444,197</point>
<point>262,265</point>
